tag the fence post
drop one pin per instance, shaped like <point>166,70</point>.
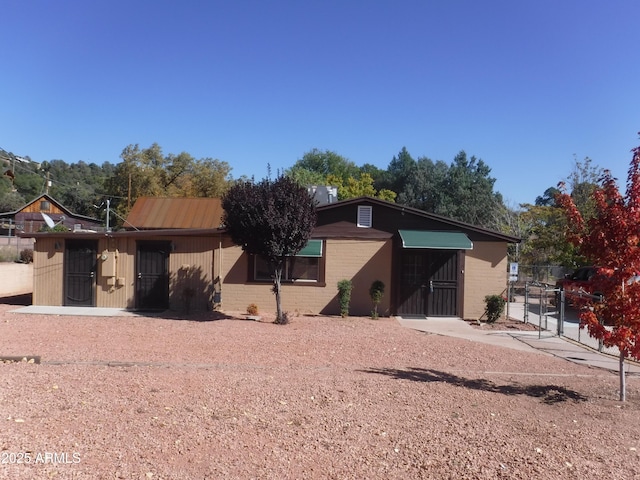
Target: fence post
<point>508,299</point>
<point>561,315</point>
<point>526,302</point>
<point>543,303</point>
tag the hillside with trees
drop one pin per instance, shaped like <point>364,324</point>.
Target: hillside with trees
<point>462,189</point>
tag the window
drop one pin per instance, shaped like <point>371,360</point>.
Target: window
<point>365,213</point>
<point>305,267</point>
<point>45,206</point>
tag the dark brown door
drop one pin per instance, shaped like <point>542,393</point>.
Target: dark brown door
<point>442,299</point>
<point>80,273</point>
<point>152,277</point>
<point>428,283</point>
<point>413,283</point>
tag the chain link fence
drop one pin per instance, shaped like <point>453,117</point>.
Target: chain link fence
<point>545,307</point>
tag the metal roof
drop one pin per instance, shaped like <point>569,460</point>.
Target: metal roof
<point>175,212</point>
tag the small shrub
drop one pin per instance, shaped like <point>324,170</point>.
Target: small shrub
<point>344,296</point>
<point>252,309</point>
<point>376,291</point>
<point>26,255</point>
<point>494,307</point>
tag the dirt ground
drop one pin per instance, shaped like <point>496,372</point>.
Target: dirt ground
<point>209,397</point>
<point>503,324</point>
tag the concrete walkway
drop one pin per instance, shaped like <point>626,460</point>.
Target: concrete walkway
<point>544,342</point>
<point>81,311</point>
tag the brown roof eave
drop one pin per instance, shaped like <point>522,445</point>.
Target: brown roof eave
<point>421,213</point>
<point>182,232</point>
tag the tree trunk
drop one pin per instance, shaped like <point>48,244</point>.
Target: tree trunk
<point>623,386</point>
<point>277,277</point>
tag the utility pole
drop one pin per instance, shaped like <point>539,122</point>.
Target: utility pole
<point>108,205</point>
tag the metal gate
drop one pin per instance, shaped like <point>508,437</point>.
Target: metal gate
<point>546,306</point>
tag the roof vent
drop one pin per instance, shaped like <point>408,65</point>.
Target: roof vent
<point>365,216</point>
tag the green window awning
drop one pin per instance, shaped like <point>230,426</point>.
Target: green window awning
<point>313,248</point>
<point>435,239</point>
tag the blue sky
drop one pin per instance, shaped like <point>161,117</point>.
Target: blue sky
<point>527,86</point>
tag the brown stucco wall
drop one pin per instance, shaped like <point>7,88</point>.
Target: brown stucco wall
<point>485,274</point>
<point>360,261</point>
<point>190,267</point>
<point>205,264</point>
<point>47,271</point>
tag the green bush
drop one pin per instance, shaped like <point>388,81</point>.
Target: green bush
<point>376,292</point>
<point>26,255</point>
<point>494,307</point>
<point>344,295</point>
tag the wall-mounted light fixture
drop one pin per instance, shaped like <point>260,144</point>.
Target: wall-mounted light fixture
<point>57,245</point>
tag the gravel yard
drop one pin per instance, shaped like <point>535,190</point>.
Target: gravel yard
<point>320,398</point>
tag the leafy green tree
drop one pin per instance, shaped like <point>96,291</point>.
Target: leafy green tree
<point>325,163</point>
<point>582,182</point>
<point>424,187</point>
<point>548,198</point>
<point>399,172</point>
<point>272,219</point>
<point>210,178</point>
<point>137,175</point>
<point>462,190</point>
<point>6,185</point>
<point>11,201</point>
<point>304,177</point>
<point>376,173</point>
<point>469,192</point>
<point>544,242</point>
<point>360,187</point>
<point>28,180</point>
<point>147,172</point>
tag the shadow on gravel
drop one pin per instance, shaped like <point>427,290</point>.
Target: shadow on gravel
<point>550,394</point>
<point>23,300</point>
<point>190,317</point>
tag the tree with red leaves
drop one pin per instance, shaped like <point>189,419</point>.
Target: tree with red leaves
<point>610,240</point>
